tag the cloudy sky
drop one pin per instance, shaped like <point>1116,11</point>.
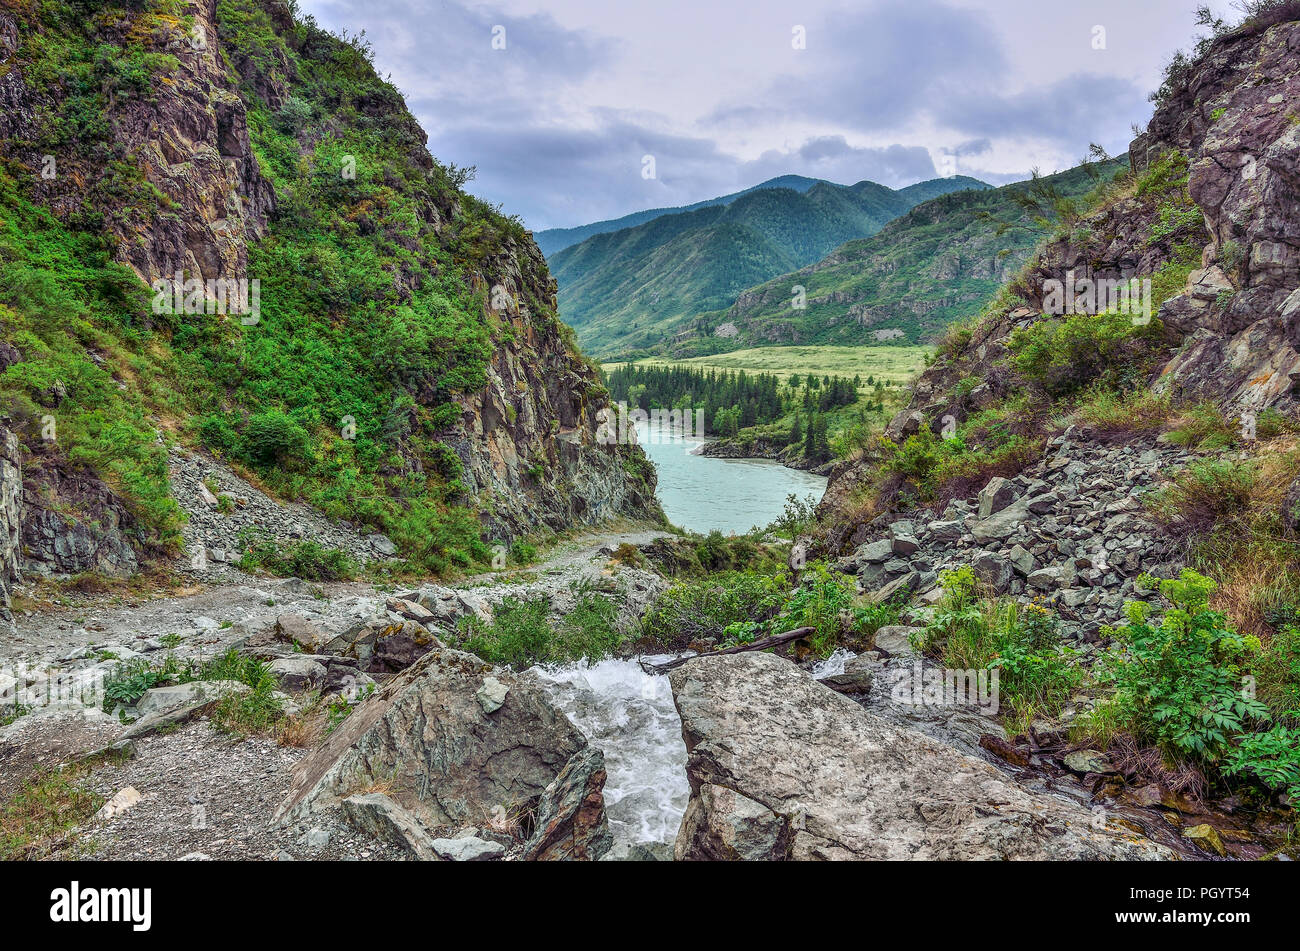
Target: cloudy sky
<point>560,121</point>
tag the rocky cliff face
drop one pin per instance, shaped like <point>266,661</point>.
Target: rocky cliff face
<point>1237,119</point>
<point>11,518</point>
<point>526,440</point>
<point>1231,332</point>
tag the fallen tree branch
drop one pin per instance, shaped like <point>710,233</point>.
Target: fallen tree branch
<point>762,644</point>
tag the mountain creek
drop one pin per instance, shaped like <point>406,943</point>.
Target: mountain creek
<point>640,722</point>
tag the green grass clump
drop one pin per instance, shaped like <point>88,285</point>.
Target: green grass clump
<point>48,806</point>
<point>306,559</point>
<point>255,712</point>
<point>521,632</point>
<point>1037,671</point>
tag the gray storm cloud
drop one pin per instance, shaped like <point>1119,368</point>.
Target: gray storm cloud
<point>559,120</point>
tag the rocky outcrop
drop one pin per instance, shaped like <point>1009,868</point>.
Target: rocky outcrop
<point>11,518</point>
<point>427,740</point>
<point>73,522</point>
<point>571,823</point>
<point>530,438</point>
<point>190,145</point>
<point>197,201</point>
<point>1235,117</point>
<point>782,768</point>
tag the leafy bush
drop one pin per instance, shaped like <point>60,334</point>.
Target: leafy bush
<point>1272,757</point>
<point>822,602</point>
<point>1178,684</point>
<point>131,679</point>
<point>1064,355</point>
<point>999,440</point>
<point>308,560</point>
<point>275,437</point>
<point>704,608</point>
<point>1037,674</point>
<point>522,553</point>
<point>797,517</point>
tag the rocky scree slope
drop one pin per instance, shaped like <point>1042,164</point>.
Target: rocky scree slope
<point>406,366</point>
<point>1071,530</point>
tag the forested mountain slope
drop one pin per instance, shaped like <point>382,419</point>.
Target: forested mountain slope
<point>554,240</point>
<point>638,287</point>
<point>939,262</point>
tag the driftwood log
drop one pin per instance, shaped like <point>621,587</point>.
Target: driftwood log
<point>762,644</point>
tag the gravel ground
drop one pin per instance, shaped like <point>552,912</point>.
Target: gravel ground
<point>207,795</point>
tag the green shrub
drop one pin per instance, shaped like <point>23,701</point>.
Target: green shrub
<point>130,680</point>
<point>1037,673</point>
<point>307,559</point>
<point>704,608</point>
<point>1178,684</point>
<point>821,602</point>
<point>522,634</point>
<point>797,517</point>
<point>1064,355</point>
<point>1272,757</point>
<point>522,553</point>
<point>275,437</point>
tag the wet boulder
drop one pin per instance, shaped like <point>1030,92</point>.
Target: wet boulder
<point>781,768</point>
<point>444,761</point>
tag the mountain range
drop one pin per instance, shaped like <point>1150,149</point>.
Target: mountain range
<point>938,263</point>
<point>636,286</point>
<point>553,240</point>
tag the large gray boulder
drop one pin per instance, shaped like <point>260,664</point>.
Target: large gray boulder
<point>426,741</point>
<point>1002,524</point>
<point>997,495</point>
<point>782,768</point>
